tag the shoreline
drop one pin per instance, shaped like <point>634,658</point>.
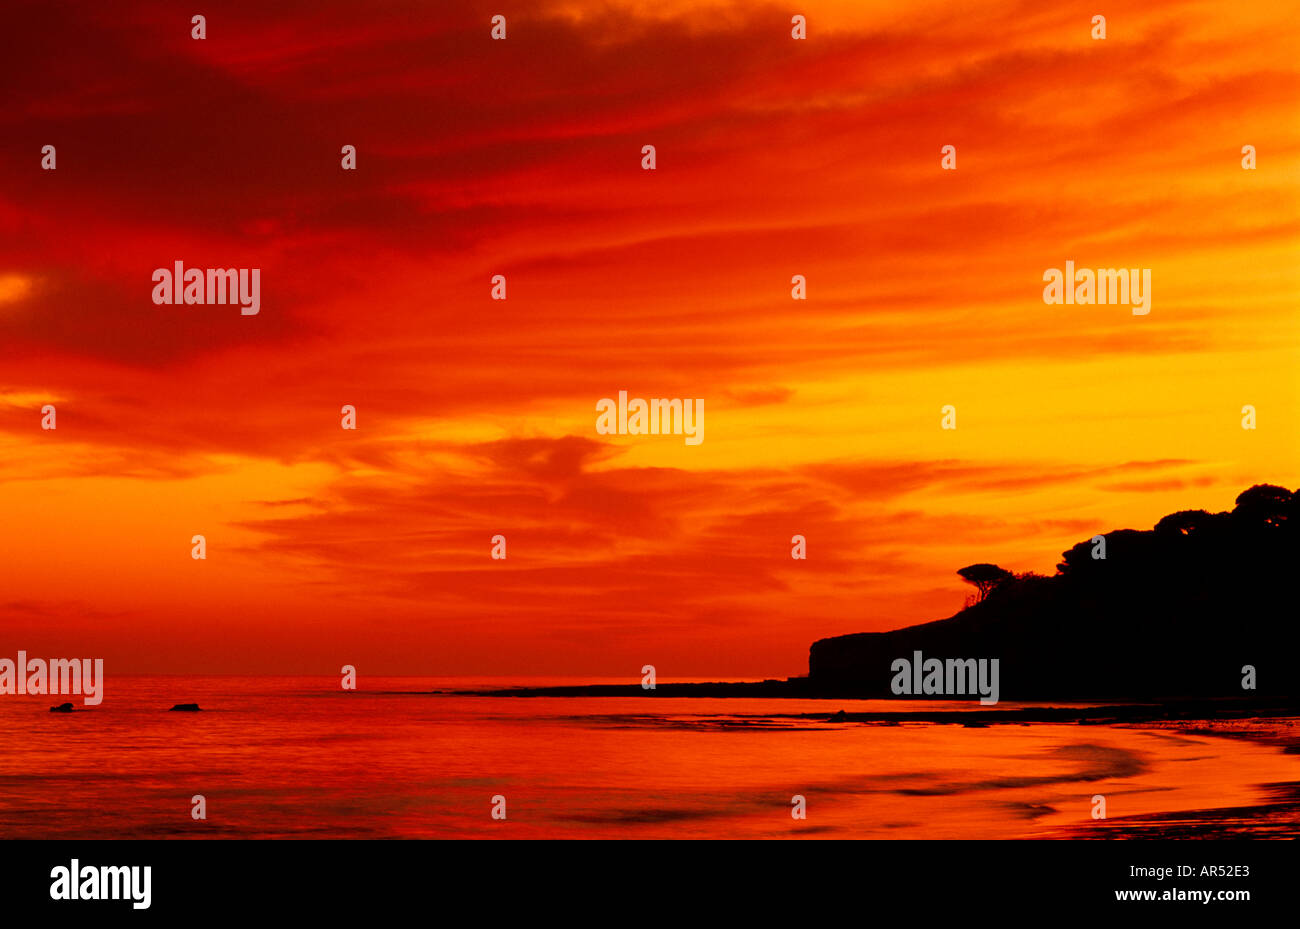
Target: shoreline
<point>1095,711</point>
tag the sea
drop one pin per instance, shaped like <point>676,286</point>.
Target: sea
<point>401,757</point>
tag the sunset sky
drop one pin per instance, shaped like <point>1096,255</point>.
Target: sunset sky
<point>476,417</point>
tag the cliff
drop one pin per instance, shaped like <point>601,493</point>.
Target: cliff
<point>1174,611</point>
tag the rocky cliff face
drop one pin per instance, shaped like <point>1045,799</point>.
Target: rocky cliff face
<point>1179,610</point>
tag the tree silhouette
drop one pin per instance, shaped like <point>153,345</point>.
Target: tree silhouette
<point>984,576</point>
<point>1265,505</point>
<point>1184,522</point>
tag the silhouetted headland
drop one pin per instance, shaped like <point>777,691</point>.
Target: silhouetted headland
<point>1201,608</point>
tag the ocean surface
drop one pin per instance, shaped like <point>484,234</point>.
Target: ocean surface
<point>299,757</point>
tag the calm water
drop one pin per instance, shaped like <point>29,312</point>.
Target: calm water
<point>299,757</point>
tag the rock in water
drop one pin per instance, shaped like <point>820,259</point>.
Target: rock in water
<point>61,708</point>
<point>186,707</point>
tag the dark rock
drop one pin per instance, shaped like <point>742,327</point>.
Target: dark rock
<point>61,708</point>
<point>186,707</point>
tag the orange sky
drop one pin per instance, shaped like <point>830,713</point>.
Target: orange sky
<point>775,157</point>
